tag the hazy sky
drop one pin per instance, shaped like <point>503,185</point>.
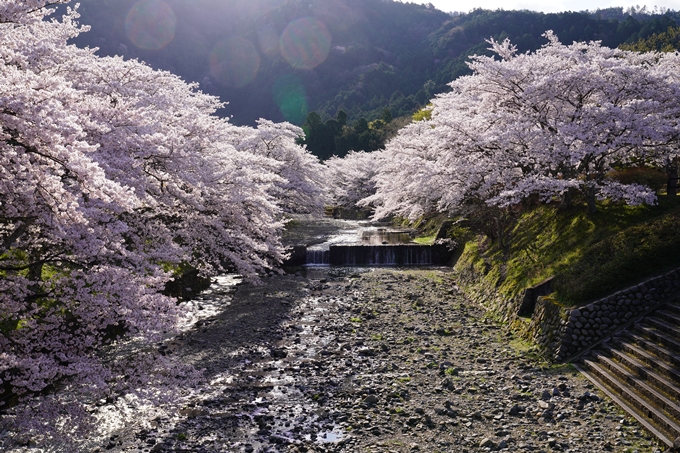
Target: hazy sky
<point>545,6</point>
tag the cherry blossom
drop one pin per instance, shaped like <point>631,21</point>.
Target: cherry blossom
<point>352,178</point>
<point>550,123</point>
<point>300,189</point>
<point>112,175</point>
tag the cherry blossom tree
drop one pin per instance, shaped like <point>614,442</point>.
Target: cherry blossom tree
<point>111,175</point>
<point>300,189</point>
<point>546,124</point>
<point>668,157</point>
<point>351,178</point>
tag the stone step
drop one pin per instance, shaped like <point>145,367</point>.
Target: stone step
<point>673,308</point>
<point>655,420</point>
<point>657,342</point>
<point>640,386</point>
<point>669,316</point>
<point>644,371</point>
<point>651,360</point>
<point>667,326</point>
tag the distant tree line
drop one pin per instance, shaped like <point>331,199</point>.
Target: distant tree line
<point>667,41</point>
<point>384,54</point>
<point>336,137</point>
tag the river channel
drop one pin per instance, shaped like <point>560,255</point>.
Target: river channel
<point>363,359</point>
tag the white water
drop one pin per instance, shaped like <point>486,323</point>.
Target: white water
<point>362,233</point>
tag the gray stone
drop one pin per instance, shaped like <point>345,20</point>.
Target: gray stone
<point>370,400</point>
<point>486,442</point>
<point>278,353</point>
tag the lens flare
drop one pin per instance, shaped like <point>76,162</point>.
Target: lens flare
<point>289,95</point>
<point>234,62</point>
<point>335,14</point>
<point>150,24</point>
<point>268,38</point>
<point>305,43</point>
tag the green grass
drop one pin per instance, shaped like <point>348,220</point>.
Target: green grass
<point>589,255</point>
<point>425,240</point>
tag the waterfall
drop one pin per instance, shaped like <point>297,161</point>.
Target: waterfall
<point>317,257</point>
<point>359,244</point>
<point>382,255</point>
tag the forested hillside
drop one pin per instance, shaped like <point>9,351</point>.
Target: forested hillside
<point>284,59</point>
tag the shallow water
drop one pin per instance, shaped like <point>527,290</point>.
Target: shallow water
<point>351,233</point>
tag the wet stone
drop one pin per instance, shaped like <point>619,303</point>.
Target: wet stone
<point>255,397</point>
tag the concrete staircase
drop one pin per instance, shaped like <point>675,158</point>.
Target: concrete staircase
<point>639,369</point>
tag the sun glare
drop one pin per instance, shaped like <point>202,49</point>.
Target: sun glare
<point>234,62</point>
<point>150,24</point>
<point>305,43</point>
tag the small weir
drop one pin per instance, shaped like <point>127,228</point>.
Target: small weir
<point>317,256</point>
<point>381,255</point>
<point>370,246</point>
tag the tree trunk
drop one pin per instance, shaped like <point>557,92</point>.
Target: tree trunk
<point>672,186</point>
<point>590,199</point>
<point>565,200</point>
<point>499,231</point>
<point>35,276</point>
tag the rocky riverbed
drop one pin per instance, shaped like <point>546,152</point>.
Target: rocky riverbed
<point>380,360</point>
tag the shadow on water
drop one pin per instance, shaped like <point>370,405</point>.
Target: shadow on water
<point>267,363</point>
<point>260,353</point>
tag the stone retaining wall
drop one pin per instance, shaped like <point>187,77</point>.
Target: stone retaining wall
<point>485,294</point>
<point>564,333</point>
<point>547,326</point>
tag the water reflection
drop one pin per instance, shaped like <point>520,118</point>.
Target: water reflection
<point>382,236</point>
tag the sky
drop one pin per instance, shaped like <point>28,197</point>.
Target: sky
<point>546,6</point>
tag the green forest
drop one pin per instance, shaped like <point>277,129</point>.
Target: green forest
<point>383,60</point>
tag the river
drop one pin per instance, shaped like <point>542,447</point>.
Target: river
<point>358,359</point>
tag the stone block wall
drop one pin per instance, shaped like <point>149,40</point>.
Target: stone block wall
<point>562,333</point>
<point>585,326</point>
<point>547,326</point>
<point>485,294</point>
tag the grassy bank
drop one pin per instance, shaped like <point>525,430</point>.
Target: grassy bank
<point>590,255</point>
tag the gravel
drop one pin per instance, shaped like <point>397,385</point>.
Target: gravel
<point>381,360</point>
